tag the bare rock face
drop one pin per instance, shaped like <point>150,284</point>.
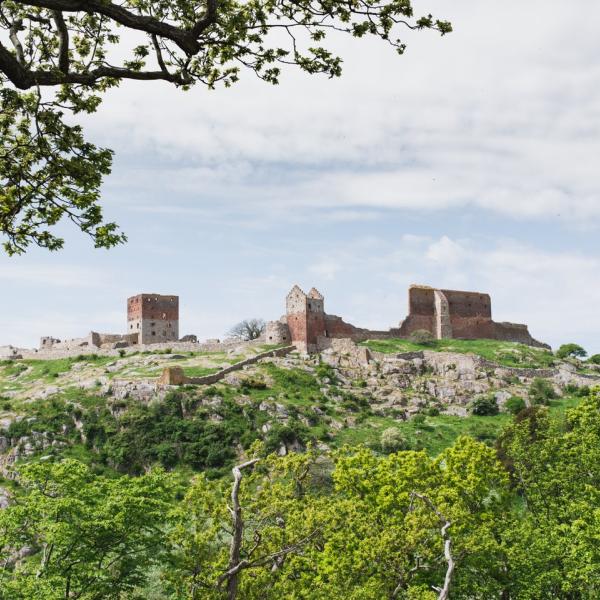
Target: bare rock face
<point>4,498</point>
<point>137,390</point>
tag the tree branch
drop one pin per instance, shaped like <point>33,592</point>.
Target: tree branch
<point>444,592</point>
<point>238,531</point>
<point>18,74</point>
<point>14,38</point>
<point>184,39</point>
<point>24,79</point>
<point>63,50</point>
<point>207,20</point>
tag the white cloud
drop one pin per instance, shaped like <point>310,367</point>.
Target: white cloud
<point>325,269</point>
<point>445,251</point>
<point>498,116</point>
<point>51,275</point>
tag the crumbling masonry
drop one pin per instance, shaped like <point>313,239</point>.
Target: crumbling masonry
<point>444,313</point>
<point>154,319</point>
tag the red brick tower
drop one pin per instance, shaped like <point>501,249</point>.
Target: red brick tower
<point>153,317</point>
<point>305,317</point>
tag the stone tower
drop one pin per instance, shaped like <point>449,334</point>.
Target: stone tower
<point>305,318</point>
<point>153,317</point>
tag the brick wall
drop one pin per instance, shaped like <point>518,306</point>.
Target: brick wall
<point>155,318</point>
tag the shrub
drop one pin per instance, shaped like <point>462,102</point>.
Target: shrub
<point>541,391</point>
<point>422,337</point>
<point>359,383</point>
<point>392,440</point>
<point>433,411</point>
<point>571,351</point>
<point>595,359</point>
<point>485,406</point>
<point>515,404</point>
<point>418,419</point>
<point>576,390</point>
<point>121,353</point>
<point>253,383</point>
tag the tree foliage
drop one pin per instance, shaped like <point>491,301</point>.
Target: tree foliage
<point>519,521</point>
<point>571,351</point>
<point>485,406</point>
<point>72,534</point>
<point>57,58</point>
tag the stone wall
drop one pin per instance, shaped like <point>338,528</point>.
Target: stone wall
<point>54,353</point>
<point>515,332</point>
<point>277,332</point>
<point>176,376</point>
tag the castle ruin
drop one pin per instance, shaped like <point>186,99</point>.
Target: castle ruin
<point>443,313</point>
<point>154,318</point>
<point>151,319</point>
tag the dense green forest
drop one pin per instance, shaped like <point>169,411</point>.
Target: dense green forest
<point>520,520</point>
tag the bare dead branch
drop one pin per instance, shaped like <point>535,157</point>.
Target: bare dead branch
<point>444,592</point>
<point>238,530</point>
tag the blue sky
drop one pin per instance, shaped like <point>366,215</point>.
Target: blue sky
<point>472,162</point>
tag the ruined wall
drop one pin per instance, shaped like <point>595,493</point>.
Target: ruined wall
<point>515,332</point>
<point>277,332</point>
<point>460,315</point>
<point>443,321</point>
<point>421,309</point>
<point>336,327</point>
<point>155,318</point>
<point>470,314</point>
<point>176,375</point>
<point>48,341</point>
<point>449,313</point>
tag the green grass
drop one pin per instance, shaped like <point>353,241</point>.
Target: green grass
<point>199,371</point>
<point>433,436</point>
<point>439,432</point>
<point>267,347</point>
<point>508,354</point>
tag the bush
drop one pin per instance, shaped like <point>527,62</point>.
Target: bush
<point>433,411</point>
<point>595,359</point>
<point>576,390</point>
<point>485,406</point>
<point>253,383</point>
<point>422,337</point>
<point>121,353</point>
<point>392,440</point>
<point>541,391</point>
<point>571,351</point>
<point>418,419</point>
<point>515,404</point>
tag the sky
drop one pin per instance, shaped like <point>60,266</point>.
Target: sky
<point>471,162</point>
